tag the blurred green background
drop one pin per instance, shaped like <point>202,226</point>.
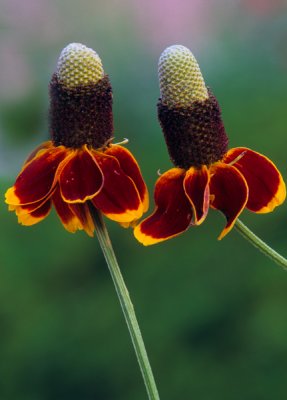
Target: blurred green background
<point>213,314</point>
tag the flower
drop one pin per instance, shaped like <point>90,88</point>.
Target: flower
<point>79,168</point>
<point>206,173</point>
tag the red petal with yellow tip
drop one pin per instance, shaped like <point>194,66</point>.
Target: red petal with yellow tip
<point>196,187</point>
<point>229,193</point>
<point>82,212</point>
<point>35,216</point>
<point>69,220</point>
<point>28,208</point>
<point>37,177</point>
<point>173,212</point>
<point>130,166</point>
<point>81,178</point>
<point>266,186</point>
<point>119,199</point>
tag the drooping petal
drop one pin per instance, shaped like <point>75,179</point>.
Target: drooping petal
<point>37,178</point>
<point>69,220</point>
<point>81,178</point>
<point>28,208</point>
<point>196,187</point>
<point>266,186</point>
<point>130,166</point>
<point>228,193</point>
<point>82,212</point>
<point>33,217</point>
<point>119,198</point>
<point>173,212</point>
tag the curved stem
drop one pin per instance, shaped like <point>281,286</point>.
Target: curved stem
<point>126,304</point>
<point>259,244</point>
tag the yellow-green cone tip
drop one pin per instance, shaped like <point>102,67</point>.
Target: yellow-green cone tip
<point>79,65</point>
<point>180,78</point>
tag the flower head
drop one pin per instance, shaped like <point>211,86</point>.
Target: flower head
<point>206,173</point>
<point>79,167</point>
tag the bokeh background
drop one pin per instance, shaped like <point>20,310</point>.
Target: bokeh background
<point>213,314</point>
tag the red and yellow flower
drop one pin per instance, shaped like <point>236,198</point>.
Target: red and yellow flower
<point>79,168</point>
<point>206,173</point>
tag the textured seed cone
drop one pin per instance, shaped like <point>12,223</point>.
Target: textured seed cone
<point>78,65</point>
<point>81,99</point>
<point>188,112</point>
<point>180,79</point>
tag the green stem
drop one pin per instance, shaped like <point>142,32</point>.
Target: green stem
<point>259,244</point>
<point>126,304</point>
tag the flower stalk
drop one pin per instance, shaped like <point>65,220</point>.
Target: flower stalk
<point>260,245</point>
<point>126,304</point>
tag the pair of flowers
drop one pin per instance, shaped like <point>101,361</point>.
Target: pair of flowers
<point>80,168</point>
